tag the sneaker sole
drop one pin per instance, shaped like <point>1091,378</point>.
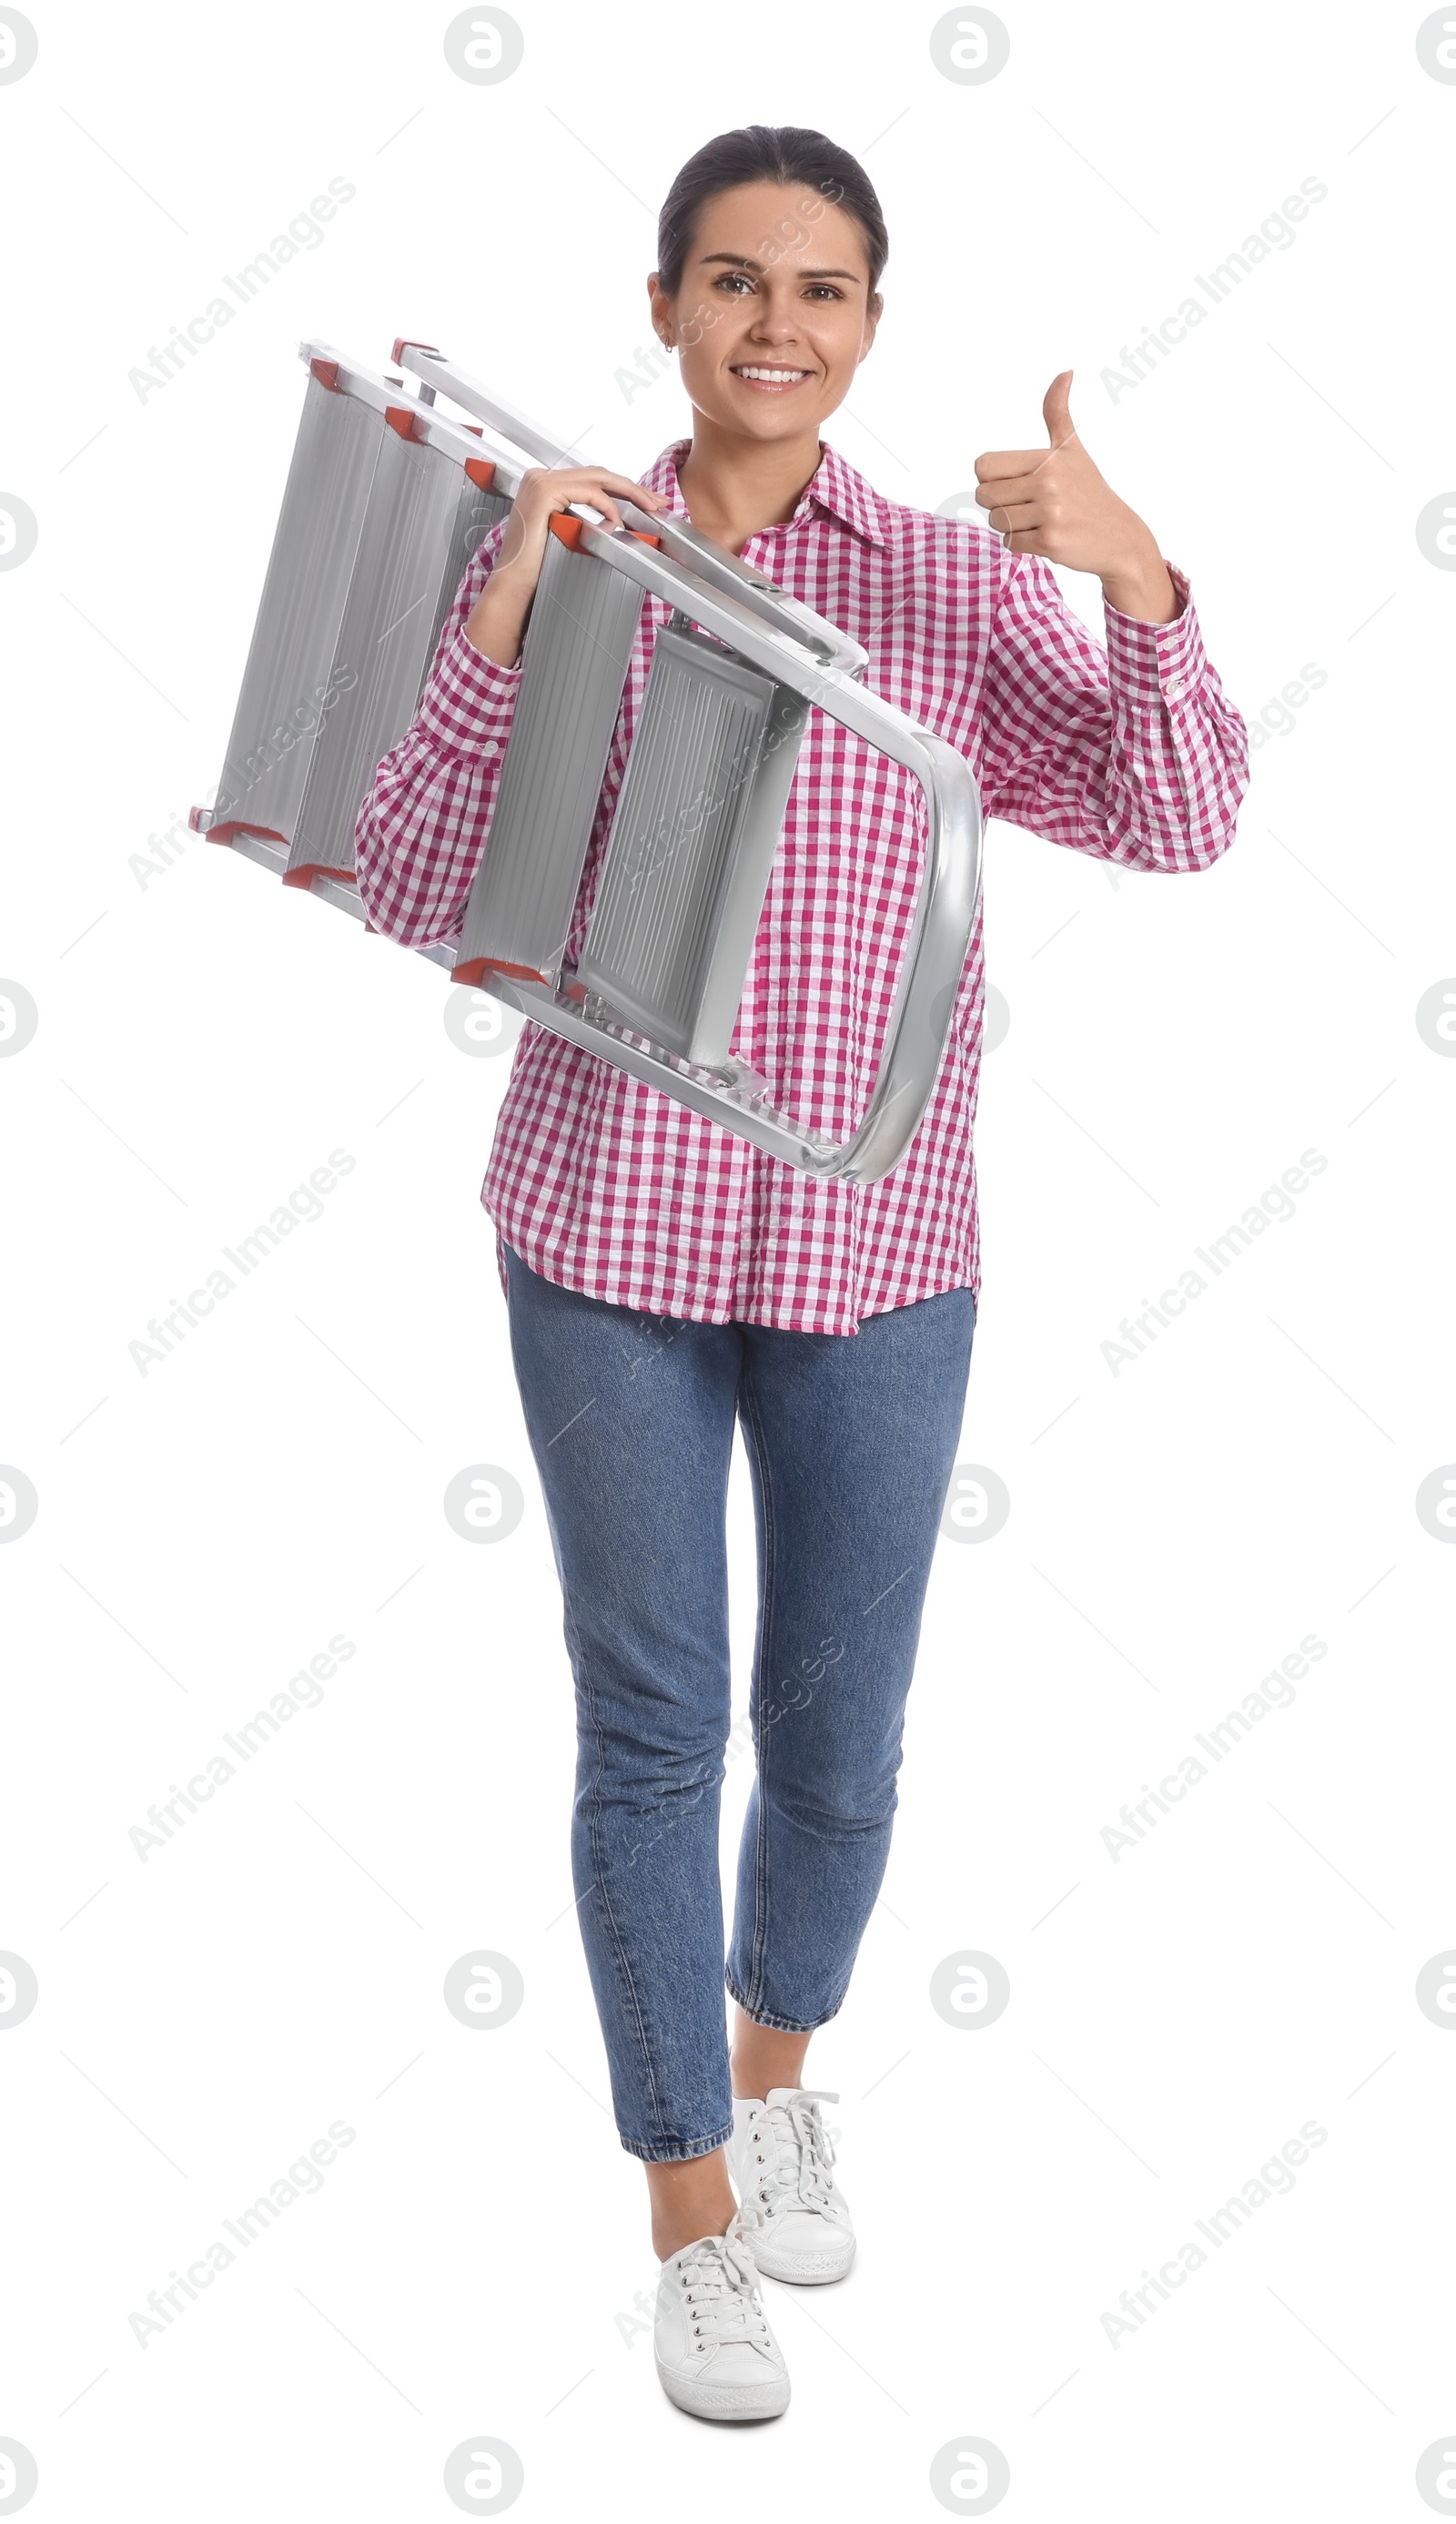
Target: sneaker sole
<point>804,2273</point>
<point>766,2400</point>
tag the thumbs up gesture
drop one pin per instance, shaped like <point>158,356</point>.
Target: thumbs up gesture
<point>1051,499</point>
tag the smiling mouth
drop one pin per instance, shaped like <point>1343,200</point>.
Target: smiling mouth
<point>770,380</point>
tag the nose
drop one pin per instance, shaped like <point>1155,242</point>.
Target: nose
<point>775,319</point>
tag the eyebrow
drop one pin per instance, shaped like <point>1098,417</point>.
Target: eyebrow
<point>746,262</point>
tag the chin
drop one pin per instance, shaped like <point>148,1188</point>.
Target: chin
<point>770,420</point>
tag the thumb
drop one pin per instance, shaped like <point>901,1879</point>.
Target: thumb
<point>1056,409</point>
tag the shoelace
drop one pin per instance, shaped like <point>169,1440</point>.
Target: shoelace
<point>796,2173</point>
<point>719,2281</point>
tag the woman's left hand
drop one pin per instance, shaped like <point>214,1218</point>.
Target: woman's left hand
<point>1054,501</point>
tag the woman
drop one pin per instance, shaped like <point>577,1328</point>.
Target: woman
<point>665,1280</point>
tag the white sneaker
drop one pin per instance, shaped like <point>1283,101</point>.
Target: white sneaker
<point>717,2356</point>
<point>780,2159</point>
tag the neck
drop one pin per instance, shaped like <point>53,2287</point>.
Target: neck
<point>736,486</point>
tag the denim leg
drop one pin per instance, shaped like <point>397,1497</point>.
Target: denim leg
<point>851,1443</point>
<point>631,1419</point>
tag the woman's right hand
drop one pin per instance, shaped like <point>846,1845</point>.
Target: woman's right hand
<point>498,619</point>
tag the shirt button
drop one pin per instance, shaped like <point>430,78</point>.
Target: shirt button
<point>1174,689</point>
<point>489,746</point>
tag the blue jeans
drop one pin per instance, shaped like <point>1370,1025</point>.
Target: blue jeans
<point>851,1442</point>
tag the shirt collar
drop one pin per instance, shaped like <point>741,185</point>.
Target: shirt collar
<point>834,488</point>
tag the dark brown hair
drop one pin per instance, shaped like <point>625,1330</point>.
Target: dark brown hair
<point>776,154</point>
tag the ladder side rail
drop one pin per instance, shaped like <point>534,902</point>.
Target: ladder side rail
<point>724,571</point>
<point>372,387</point>
<point>707,560</point>
<point>945,911</point>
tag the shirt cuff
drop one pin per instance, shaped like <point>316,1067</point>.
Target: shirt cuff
<point>469,701</point>
<point>1157,660</point>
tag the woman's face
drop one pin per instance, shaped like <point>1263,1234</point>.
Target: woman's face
<point>774,313</point>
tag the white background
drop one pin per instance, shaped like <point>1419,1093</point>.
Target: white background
<point>204,1041</point>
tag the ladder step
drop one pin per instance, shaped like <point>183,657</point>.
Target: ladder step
<point>296,637</point>
<point>423,523</point>
<point>578,647</point>
<point>692,845</point>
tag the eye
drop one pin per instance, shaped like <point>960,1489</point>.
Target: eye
<point>824,289</point>
<point>727,280</point>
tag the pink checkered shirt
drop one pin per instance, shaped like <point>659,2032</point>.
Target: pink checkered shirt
<point>608,1186</point>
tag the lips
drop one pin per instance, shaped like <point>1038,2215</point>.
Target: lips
<point>764,377</point>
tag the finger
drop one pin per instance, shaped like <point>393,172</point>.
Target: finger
<point>584,476</point>
<point>1056,409</point>
<point>583,490</point>
<point>1021,517</point>
<point>1009,459</point>
<point>624,482</point>
<point>1009,490</point>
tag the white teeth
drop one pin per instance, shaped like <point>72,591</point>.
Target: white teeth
<point>773,376</point>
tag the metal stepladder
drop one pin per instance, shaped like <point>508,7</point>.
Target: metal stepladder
<point>386,498</point>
